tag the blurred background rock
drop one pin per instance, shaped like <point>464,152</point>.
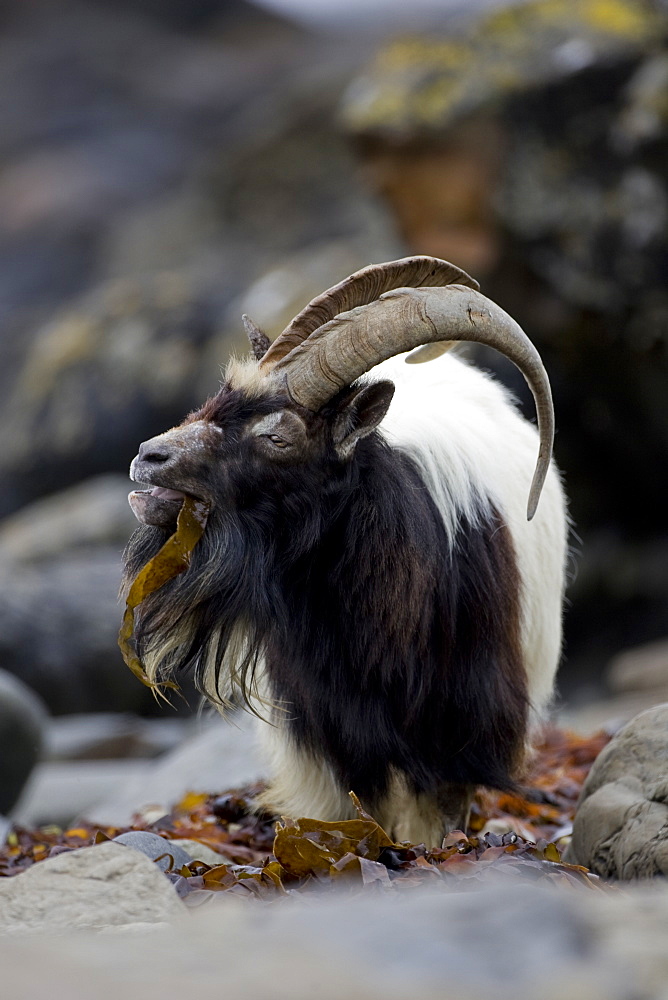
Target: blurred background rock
<point>166,165</point>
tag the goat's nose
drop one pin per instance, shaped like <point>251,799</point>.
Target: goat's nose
<point>151,451</point>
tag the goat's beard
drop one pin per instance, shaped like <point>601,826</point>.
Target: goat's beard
<point>212,620</point>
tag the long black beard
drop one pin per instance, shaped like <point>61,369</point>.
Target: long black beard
<point>197,617</point>
<point>235,583</point>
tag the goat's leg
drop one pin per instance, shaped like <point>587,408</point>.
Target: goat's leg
<point>301,784</point>
<point>421,818</point>
<point>455,805</point>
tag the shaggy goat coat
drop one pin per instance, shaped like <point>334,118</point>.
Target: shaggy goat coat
<point>393,619</point>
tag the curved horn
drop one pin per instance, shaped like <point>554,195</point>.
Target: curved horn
<point>360,289</point>
<point>354,342</point>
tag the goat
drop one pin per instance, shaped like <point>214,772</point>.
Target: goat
<point>368,582</point>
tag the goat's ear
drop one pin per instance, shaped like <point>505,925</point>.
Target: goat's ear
<point>259,341</point>
<point>359,415</point>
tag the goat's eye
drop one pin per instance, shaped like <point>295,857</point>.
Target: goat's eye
<point>278,441</point>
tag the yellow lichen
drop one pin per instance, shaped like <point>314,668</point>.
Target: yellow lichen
<point>418,82</point>
<point>630,20</point>
<point>62,345</point>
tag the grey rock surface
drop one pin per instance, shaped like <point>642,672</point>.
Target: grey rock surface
<point>134,213</point>
<point>609,714</point>
<point>515,941</point>
<point>90,514</point>
<point>59,791</point>
<point>113,736</point>
<point>222,755</point>
<point>22,724</point>
<point>643,668</point>
<point>166,854</point>
<point>200,852</point>
<point>94,887</point>
<point>60,569</point>
<point>621,825</point>
<point>59,621</point>
<point>215,756</point>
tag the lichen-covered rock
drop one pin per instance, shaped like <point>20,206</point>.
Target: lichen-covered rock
<point>426,84</point>
<point>621,825</point>
<point>94,887</point>
<point>119,363</point>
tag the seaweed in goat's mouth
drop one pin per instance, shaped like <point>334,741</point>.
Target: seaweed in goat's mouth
<point>172,559</point>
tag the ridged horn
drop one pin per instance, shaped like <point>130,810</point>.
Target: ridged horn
<point>360,289</point>
<point>352,343</point>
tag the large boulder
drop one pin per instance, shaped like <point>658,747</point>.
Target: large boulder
<point>621,825</point>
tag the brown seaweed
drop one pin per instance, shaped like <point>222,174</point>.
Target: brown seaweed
<point>172,559</point>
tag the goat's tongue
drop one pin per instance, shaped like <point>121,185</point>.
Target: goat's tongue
<point>164,494</point>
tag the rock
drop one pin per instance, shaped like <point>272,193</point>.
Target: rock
<point>59,621</point>
<point>91,514</point>
<point>426,85</point>
<point>216,755</point>
<point>93,887</point>
<point>222,755</point>
<point>644,668</point>
<point>113,736</point>
<point>22,723</point>
<point>132,216</point>
<point>116,367</point>
<point>582,945</point>
<point>200,852</point>
<point>60,570</point>
<point>621,825</point>
<point>638,678</point>
<point>166,854</point>
<point>60,791</point>
<point>282,291</point>
<point>594,713</point>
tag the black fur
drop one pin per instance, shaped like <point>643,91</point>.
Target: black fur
<point>386,644</point>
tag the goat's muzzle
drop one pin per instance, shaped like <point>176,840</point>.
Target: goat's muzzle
<point>161,467</point>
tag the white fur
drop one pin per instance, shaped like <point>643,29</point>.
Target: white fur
<point>302,785</point>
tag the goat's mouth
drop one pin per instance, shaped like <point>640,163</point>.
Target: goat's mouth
<point>156,505</point>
